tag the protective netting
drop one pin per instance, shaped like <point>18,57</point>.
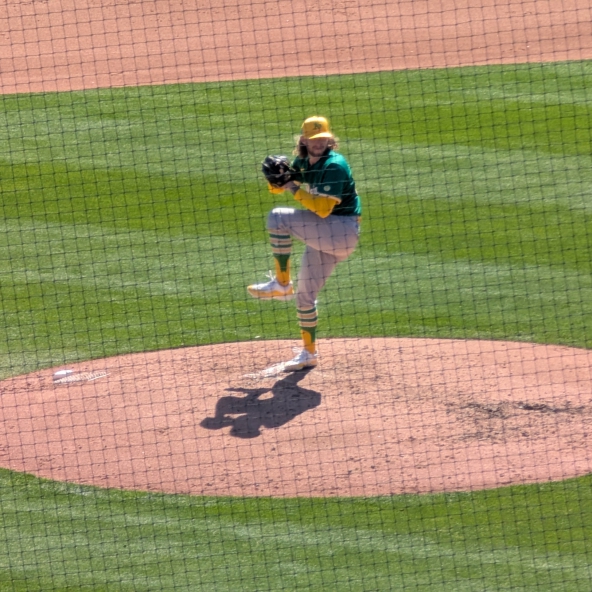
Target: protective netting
<point>402,403</point>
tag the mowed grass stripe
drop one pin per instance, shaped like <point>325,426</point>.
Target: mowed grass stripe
<point>125,278</point>
<point>486,540</point>
<point>73,284</point>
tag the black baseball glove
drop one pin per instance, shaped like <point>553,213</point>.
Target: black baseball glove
<point>277,170</point>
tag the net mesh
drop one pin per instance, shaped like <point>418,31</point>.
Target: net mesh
<point>411,412</point>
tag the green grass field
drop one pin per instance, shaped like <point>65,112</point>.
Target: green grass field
<point>67,537</point>
<point>132,219</point>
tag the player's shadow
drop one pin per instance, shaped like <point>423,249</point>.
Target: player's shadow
<point>246,415</point>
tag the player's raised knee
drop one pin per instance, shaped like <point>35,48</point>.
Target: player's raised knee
<point>274,219</point>
<point>280,211</point>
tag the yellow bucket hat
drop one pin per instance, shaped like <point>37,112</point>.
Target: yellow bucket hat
<point>316,127</point>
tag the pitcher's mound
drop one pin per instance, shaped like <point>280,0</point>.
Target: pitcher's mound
<point>376,417</point>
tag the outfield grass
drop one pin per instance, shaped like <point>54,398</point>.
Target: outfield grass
<point>133,218</point>
<point>130,217</point>
<point>67,537</point>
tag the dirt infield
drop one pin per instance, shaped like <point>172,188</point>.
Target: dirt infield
<point>378,416</point>
<point>48,45</point>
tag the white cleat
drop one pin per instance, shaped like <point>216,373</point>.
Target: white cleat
<point>303,360</point>
<point>271,290</point>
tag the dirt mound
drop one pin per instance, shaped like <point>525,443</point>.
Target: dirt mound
<point>377,416</point>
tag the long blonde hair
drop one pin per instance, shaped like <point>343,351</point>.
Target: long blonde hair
<point>301,151</point>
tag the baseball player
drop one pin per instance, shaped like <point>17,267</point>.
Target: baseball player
<point>321,180</point>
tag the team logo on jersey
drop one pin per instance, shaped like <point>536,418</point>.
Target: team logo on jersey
<point>326,187</point>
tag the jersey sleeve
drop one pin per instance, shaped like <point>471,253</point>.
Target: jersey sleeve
<point>333,183</point>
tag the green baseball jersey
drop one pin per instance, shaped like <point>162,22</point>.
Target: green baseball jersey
<point>331,176</point>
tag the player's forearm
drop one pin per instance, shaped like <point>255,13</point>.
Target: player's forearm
<point>321,205</point>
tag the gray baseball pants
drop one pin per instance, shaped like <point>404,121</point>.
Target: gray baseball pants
<point>328,241</point>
